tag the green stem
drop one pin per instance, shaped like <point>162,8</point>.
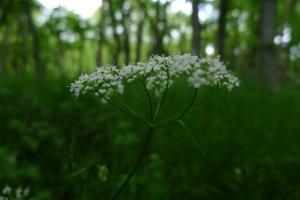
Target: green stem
<point>127,106</point>
<point>190,105</point>
<point>173,119</point>
<point>162,100</point>
<point>124,111</point>
<point>149,101</point>
<point>135,167</point>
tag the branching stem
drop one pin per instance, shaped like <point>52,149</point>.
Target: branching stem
<point>163,99</point>
<point>173,119</point>
<point>149,101</point>
<point>134,115</point>
<point>135,167</point>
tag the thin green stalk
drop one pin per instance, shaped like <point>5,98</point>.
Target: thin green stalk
<point>135,167</point>
<point>190,105</point>
<point>85,183</point>
<point>205,102</point>
<point>71,154</point>
<point>173,119</point>
<point>149,101</point>
<point>133,113</point>
<point>72,144</point>
<point>125,111</point>
<point>180,122</point>
<point>163,99</point>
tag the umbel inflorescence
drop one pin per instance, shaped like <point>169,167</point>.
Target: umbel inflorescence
<point>158,73</point>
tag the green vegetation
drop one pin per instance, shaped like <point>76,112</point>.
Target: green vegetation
<point>250,138</point>
<point>61,147</point>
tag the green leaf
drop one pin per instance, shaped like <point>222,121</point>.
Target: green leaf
<point>102,173</point>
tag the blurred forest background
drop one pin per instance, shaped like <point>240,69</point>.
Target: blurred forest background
<point>63,148</point>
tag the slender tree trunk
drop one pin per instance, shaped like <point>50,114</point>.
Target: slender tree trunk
<point>117,48</point>
<point>36,49</point>
<point>81,51</point>
<point>196,35</point>
<point>289,11</point>
<point>139,39</point>
<point>182,42</point>
<point>5,12</point>
<point>222,28</point>
<point>4,43</point>
<point>140,31</point>
<point>252,66</point>
<point>99,55</point>
<point>4,49</point>
<point>59,59</point>
<point>269,58</point>
<point>156,25</point>
<point>126,36</point>
<point>20,64</point>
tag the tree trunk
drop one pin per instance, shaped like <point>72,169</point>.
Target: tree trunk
<point>81,52</point>
<point>222,28</point>
<point>182,42</point>
<point>140,31</point>
<point>61,57</point>
<point>196,35</point>
<point>4,49</point>
<point>4,43</point>
<point>139,39</point>
<point>35,40</point>
<point>126,36</point>
<point>99,54</point>
<point>158,30</point>
<point>117,48</point>
<point>269,58</point>
<point>5,12</point>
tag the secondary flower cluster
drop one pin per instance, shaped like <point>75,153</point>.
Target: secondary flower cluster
<point>158,73</point>
<point>8,193</point>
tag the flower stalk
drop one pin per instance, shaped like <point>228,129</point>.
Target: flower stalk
<point>157,75</point>
<point>136,165</point>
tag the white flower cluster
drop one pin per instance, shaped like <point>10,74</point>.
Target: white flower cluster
<point>158,73</point>
<point>9,194</point>
<point>106,80</point>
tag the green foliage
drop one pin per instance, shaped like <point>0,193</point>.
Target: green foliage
<point>250,138</point>
<point>102,172</point>
<point>63,148</point>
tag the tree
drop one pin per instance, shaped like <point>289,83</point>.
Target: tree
<point>222,27</point>
<point>196,35</point>
<point>114,23</point>
<point>140,29</point>
<point>3,47</point>
<point>159,27</point>
<point>36,49</point>
<point>101,28</point>
<point>124,13</point>
<point>269,57</point>
<point>5,9</point>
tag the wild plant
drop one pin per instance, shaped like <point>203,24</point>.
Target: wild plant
<point>156,76</point>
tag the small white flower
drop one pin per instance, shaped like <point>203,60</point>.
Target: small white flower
<point>158,72</point>
<point>26,192</point>
<point>6,190</point>
<point>19,193</point>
